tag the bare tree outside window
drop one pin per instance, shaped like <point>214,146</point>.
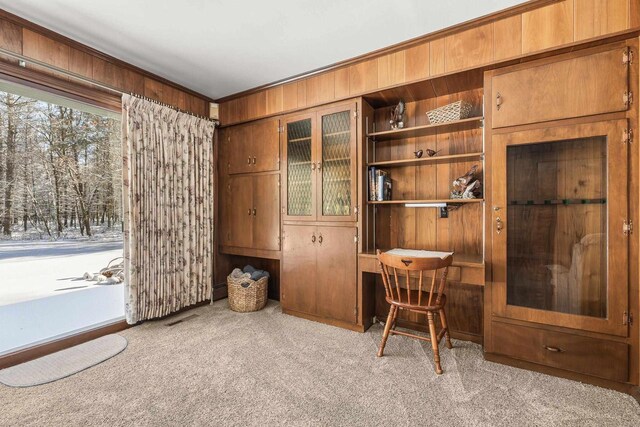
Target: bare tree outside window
<point>60,172</point>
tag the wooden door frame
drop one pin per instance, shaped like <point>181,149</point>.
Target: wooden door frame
<point>618,299</point>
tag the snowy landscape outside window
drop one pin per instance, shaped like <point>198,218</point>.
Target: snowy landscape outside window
<point>60,196</point>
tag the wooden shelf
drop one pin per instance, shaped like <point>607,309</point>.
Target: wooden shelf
<point>450,158</point>
<point>460,260</point>
<point>458,125</point>
<point>402,202</point>
<point>565,202</point>
<point>306,138</point>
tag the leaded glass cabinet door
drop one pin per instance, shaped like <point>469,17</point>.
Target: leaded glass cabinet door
<point>336,164</point>
<point>300,169</point>
<point>560,205</point>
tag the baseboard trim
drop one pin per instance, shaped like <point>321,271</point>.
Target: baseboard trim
<point>319,319</point>
<point>40,350</point>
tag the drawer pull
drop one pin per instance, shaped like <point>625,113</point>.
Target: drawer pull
<point>553,349</point>
<point>498,101</point>
<point>313,238</point>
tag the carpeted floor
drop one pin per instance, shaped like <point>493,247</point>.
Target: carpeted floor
<point>267,368</point>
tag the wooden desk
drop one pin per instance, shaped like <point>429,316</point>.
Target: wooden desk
<point>464,297</point>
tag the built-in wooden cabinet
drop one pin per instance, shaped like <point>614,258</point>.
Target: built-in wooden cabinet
<point>254,147</point>
<point>252,215</point>
<point>320,165</point>
<point>559,222</point>
<point>319,272</point>
<point>577,86</point>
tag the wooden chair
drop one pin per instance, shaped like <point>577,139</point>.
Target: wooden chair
<point>404,298</point>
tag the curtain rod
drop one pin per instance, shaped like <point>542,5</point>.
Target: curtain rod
<point>23,60</point>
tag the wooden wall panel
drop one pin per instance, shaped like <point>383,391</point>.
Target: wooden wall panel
<point>597,17</point>
<point>10,36</point>
<point>342,83</point>
<point>153,89</point>
<point>416,62</point>
<point>257,104</point>
<point>391,69</point>
<point>81,63</point>
<point>507,37</point>
<point>274,100</point>
<point>289,96</point>
<point>548,26</point>
<point>363,77</point>
<point>108,73</point>
<point>30,40</point>
<point>320,88</point>
<point>469,48</point>
<point>436,56</point>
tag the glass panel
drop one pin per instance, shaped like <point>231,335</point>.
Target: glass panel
<point>336,164</point>
<point>299,168</point>
<point>557,226</point>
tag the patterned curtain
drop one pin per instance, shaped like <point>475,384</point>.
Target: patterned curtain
<point>169,213</point>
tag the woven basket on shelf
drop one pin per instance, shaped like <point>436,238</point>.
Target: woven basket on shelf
<point>251,298</point>
<point>451,112</point>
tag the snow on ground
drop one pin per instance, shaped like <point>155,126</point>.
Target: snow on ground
<point>36,269</point>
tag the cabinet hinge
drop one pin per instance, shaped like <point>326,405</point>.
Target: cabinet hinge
<point>627,98</point>
<point>355,114</point>
<point>627,56</point>
<point>627,136</point>
<point>356,210</point>
<point>627,227</point>
<point>627,318</point>
<point>280,129</point>
<point>356,239</point>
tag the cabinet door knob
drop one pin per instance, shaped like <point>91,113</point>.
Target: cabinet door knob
<point>254,211</point>
<point>320,239</point>
<point>498,101</point>
<point>248,160</point>
<point>313,166</point>
<point>254,160</point>
<point>319,165</point>
<point>249,212</point>
<point>313,238</point>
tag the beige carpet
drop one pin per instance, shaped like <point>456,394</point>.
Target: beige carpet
<point>266,368</point>
<point>63,363</point>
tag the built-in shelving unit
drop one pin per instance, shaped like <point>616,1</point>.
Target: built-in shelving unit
<point>451,158</point>
<point>414,131</point>
<point>425,201</point>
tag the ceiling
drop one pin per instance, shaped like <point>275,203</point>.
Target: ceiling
<point>220,47</point>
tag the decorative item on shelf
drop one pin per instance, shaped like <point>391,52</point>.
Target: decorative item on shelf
<point>397,114</point>
<point>451,112</point>
<point>418,153</point>
<point>467,186</point>
<point>431,152</point>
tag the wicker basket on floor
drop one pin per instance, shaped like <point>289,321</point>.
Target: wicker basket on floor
<point>251,298</point>
<point>451,112</point>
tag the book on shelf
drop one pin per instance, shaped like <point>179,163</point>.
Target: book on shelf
<point>379,184</point>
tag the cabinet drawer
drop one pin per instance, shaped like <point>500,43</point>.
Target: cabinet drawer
<point>592,356</point>
<point>573,87</point>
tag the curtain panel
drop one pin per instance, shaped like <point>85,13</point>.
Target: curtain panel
<point>169,172</point>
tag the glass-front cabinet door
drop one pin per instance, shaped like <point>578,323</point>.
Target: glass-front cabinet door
<point>559,218</point>
<point>300,172</point>
<point>336,164</point>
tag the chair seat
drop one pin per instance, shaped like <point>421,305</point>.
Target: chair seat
<point>424,300</point>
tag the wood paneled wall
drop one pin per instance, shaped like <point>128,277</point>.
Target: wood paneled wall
<point>507,36</point>
<point>22,37</point>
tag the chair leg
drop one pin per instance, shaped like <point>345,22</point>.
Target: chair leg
<point>387,328</point>
<point>434,342</point>
<point>445,326</point>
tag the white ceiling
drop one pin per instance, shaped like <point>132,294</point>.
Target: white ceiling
<point>221,47</point>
